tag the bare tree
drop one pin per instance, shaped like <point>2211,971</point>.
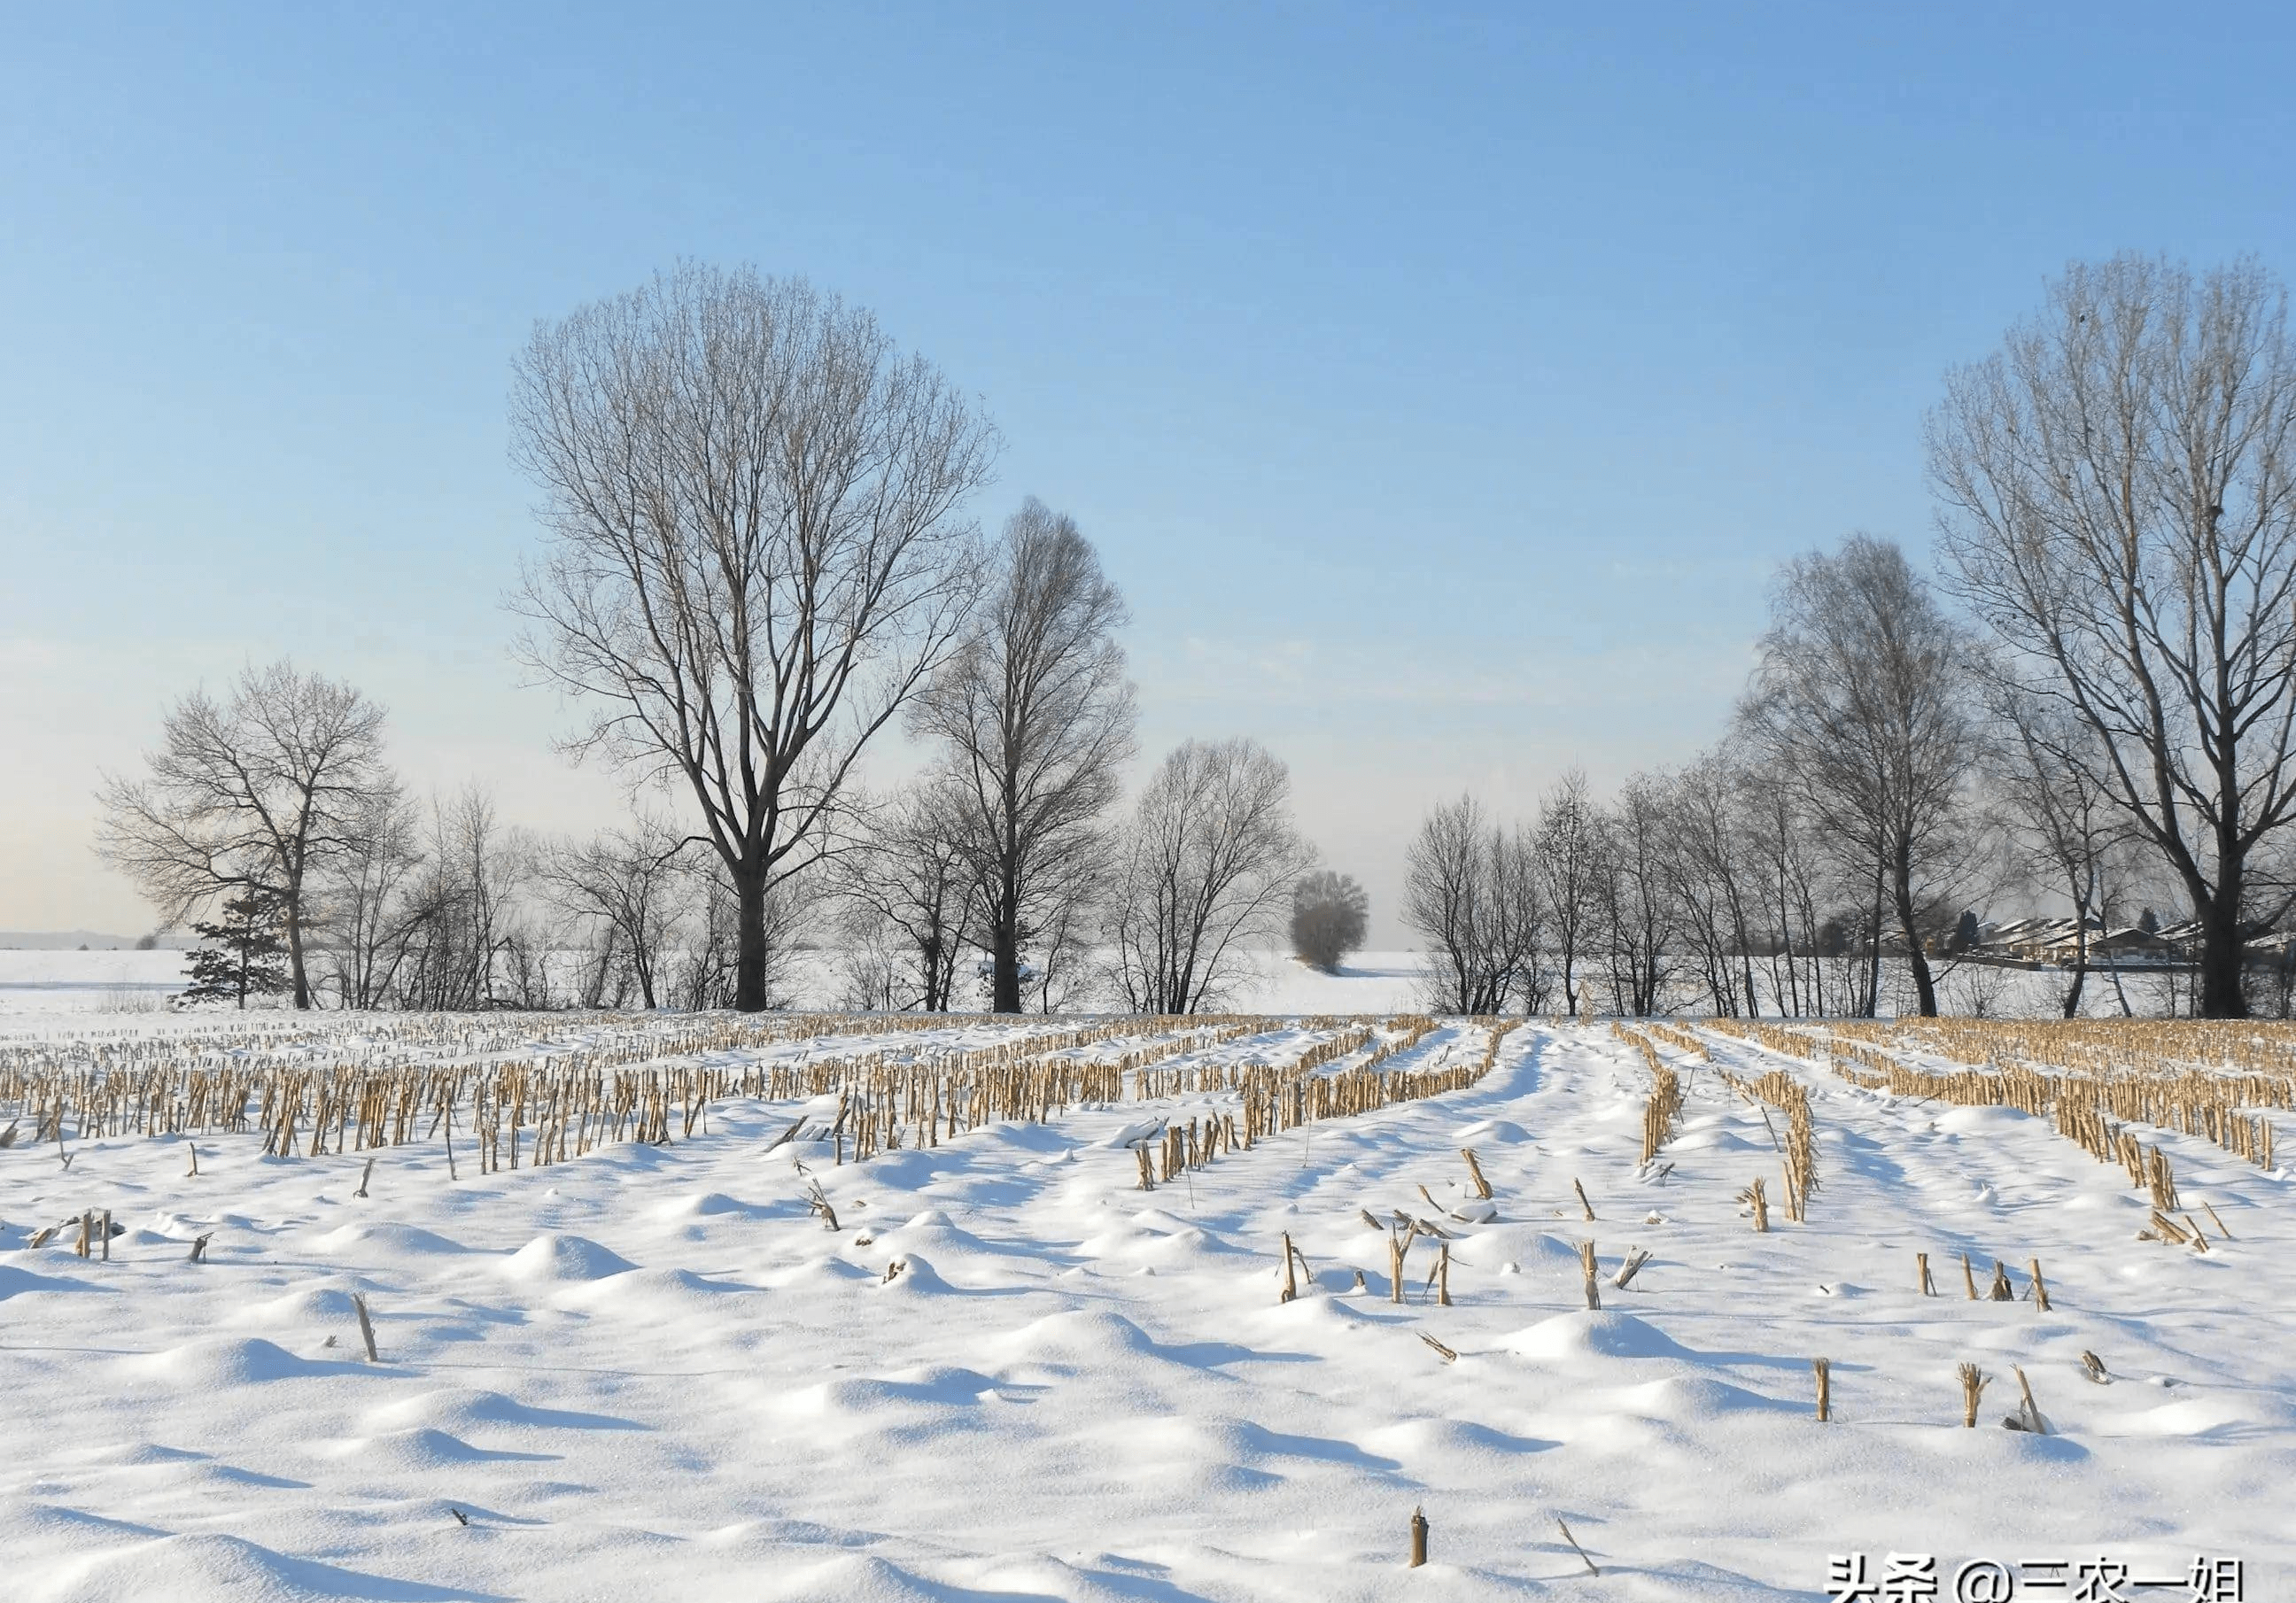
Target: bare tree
<point>1637,912</point>
<point>260,791</point>
<point>1567,848</point>
<point>2118,492</point>
<point>1708,860</point>
<point>758,556</point>
<point>365,905</point>
<point>1471,890</point>
<point>473,870</point>
<point>2061,830</point>
<point>907,889</point>
<point>1790,871</point>
<point>1862,694</point>
<point>1035,717</point>
<point>1205,868</point>
<point>1329,914</point>
<point>623,884</point>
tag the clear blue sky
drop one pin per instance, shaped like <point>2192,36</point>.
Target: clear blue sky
<point>1441,382</point>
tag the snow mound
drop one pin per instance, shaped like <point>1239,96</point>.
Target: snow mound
<point>23,1282</point>
<point>457,1410</point>
<point>657,1294</point>
<point>386,1240</point>
<point>1684,1397</point>
<point>1078,1337</point>
<point>1979,1121</point>
<point>564,1259</point>
<point>205,1566</point>
<point>415,1450</point>
<point>1489,1131</point>
<point>1594,1334</point>
<point>298,1310</point>
<point>917,1277</point>
<point>215,1361</point>
<point>702,1206</point>
<point>1715,1140</point>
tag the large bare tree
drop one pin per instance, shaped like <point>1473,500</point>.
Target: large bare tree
<point>1035,717</point>
<point>2118,500</point>
<point>1207,868</point>
<point>257,790</point>
<point>758,555</point>
<point>1863,693</point>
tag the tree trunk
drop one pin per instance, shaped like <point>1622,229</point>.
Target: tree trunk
<point>1924,986</point>
<point>750,939</point>
<point>294,902</point>
<point>2222,959</point>
<point>1004,954</point>
<point>1873,1002</point>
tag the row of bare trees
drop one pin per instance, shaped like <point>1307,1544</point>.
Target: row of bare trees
<point>281,788</point>
<point>759,561</point>
<point>1707,889</point>
<point>2110,713</point>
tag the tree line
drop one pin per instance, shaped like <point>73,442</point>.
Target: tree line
<point>758,560</point>
<point>2091,699</point>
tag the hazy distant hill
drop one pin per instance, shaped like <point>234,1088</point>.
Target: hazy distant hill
<point>71,940</point>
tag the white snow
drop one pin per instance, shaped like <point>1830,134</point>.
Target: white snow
<point>650,1373</point>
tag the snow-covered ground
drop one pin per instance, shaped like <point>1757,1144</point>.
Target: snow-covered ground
<point>650,1373</point>
<point>37,988</point>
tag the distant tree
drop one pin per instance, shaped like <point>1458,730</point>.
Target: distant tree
<point>1471,891</point>
<point>906,888</point>
<point>1864,695</point>
<point>1330,913</point>
<point>1636,916</point>
<point>2064,832</point>
<point>759,556</point>
<point>1711,861</point>
<point>622,884</point>
<point>1205,867</point>
<point>365,901</point>
<point>1568,850</point>
<point>2149,921</point>
<point>258,792</point>
<point>241,957</point>
<point>1965,934</point>
<point>464,905</point>
<point>1035,715</point>
<point>147,942</point>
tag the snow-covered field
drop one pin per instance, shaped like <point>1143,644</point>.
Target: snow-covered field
<point>652,1372</point>
<point>38,988</point>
